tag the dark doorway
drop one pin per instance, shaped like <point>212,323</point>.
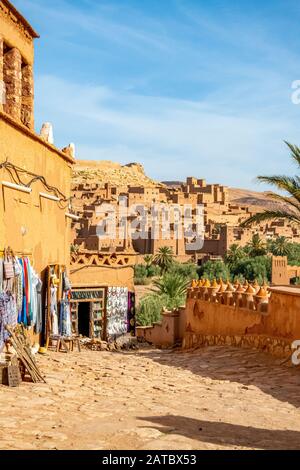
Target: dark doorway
<point>84,319</point>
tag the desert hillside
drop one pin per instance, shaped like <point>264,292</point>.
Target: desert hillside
<point>103,172</point>
<point>255,199</point>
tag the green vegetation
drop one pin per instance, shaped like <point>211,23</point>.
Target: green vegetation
<point>253,269</point>
<point>294,254</point>
<point>143,273</point>
<point>291,200</point>
<point>164,258</point>
<point>234,255</point>
<point>169,292</point>
<point>170,281</point>
<point>186,270</point>
<point>256,247</point>
<point>279,247</point>
<point>214,270</point>
<point>173,287</point>
<point>150,309</point>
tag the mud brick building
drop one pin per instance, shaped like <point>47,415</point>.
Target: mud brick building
<point>35,176</point>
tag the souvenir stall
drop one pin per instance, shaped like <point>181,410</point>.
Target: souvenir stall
<point>88,312</point>
<point>103,313</point>
<point>20,294</point>
<point>21,317</point>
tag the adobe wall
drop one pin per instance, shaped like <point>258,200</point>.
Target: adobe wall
<point>166,333</point>
<point>29,223</point>
<point>105,270</point>
<point>271,326</point>
<point>15,32</point>
<point>93,276</point>
<point>279,271</point>
<point>282,273</point>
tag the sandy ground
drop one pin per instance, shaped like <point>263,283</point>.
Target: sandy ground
<point>211,399</point>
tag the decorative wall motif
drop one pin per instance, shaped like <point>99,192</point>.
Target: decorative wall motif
<point>99,259</point>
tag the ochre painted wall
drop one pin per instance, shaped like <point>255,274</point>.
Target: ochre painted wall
<point>208,318</point>
<point>281,321</point>
<point>29,223</point>
<point>95,276</point>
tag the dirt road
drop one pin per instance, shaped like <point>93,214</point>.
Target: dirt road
<point>211,399</point>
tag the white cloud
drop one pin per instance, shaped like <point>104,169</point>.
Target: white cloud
<point>172,138</point>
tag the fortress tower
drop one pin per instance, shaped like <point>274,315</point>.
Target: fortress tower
<point>16,65</point>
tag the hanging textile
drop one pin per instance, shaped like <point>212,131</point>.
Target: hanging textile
<point>39,317</point>
<point>54,311</point>
<point>117,309</point>
<point>8,316</point>
<point>1,275</point>
<point>18,286</point>
<point>131,318</point>
<point>20,294</point>
<point>65,325</point>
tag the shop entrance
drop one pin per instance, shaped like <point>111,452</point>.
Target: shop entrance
<point>84,309</point>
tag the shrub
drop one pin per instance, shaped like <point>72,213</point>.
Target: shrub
<point>172,287</point>
<point>214,270</point>
<point>153,271</point>
<point>258,268</point>
<point>142,281</point>
<point>186,270</point>
<point>150,309</point>
<point>140,271</point>
<point>294,254</point>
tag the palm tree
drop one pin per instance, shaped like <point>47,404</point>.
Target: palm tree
<point>256,247</point>
<point>291,186</point>
<point>169,292</point>
<point>234,254</point>
<point>280,247</point>
<point>148,260</point>
<point>173,287</point>
<point>164,258</point>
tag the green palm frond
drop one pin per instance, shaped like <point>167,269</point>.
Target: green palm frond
<point>283,183</point>
<point>291,186</point>
<point>295,152</point>
<point>270,215</point>
<point>287,200</point>
<point>172,285</point>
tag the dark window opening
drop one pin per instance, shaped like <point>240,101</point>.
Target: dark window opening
<point>84,319</point>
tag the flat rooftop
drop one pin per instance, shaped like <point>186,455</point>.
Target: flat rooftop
<point>286,290</point>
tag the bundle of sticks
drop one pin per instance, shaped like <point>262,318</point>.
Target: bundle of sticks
<point>22,347</point>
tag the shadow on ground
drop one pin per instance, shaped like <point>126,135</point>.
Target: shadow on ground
<point>224,434</point>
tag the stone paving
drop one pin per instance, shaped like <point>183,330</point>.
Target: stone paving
<point>215,398</point>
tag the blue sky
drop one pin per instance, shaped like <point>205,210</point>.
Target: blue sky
<point>186,87</point>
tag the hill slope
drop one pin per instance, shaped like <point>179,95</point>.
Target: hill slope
<point>255,199</point>
<point>102,172</point>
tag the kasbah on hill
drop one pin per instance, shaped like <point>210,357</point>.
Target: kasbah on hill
<point>111,337</point>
